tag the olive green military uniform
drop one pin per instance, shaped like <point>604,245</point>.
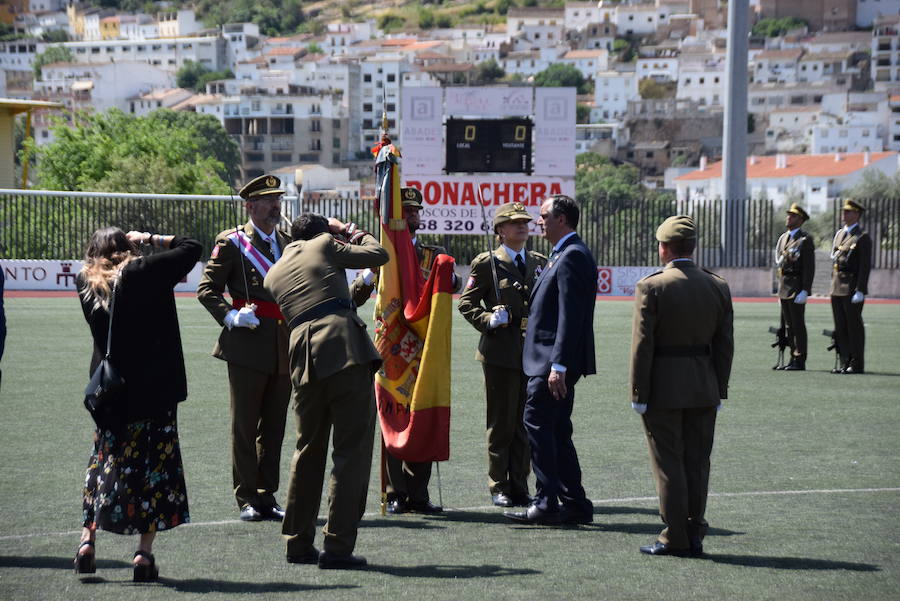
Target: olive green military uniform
<point>681,353</point>
<point>796,263</point>
<point>333,363</point>
<point>257,367</point>
<point>851,254</point>
<point>500,353</point>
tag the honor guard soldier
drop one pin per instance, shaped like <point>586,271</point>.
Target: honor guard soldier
<point>851,255</point>
<point>501,314</point>
<point>254,343</point>
<point>407,488</point>
<point>796,264</point>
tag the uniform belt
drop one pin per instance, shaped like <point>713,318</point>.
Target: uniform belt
<point>321,310</point>
<point>263,308</point>
<point>681,351</point>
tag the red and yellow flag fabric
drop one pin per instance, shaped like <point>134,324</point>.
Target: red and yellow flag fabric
<point>412,332</point>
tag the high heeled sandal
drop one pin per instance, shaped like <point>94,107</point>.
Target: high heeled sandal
<point>145,572</point>
<point>85,563</point>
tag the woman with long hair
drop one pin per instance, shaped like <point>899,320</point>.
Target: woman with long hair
<point>135,479</point>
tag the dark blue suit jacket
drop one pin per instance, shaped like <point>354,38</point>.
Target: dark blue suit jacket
<point>561,322</point>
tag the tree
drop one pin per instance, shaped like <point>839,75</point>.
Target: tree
<point>562,75</point>
<point>389,21</point>
<point>649,88</point>
<point>771,28</point>
<point>489,72</point>
<point>314,48</point>
<point>55,36</point>
<point>426,18</point>
<point>189,74</point>
<point>875,184</point>
<point>165,152</point>
<point>582,113</point>
<point>53,54</point>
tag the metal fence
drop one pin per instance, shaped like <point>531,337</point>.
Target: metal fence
<point>56,225</point>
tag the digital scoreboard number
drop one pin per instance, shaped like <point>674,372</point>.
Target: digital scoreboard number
<point>489,145</point>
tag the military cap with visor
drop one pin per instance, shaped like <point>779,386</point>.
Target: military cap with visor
<point>263,186</point>
<point>411,198</point>
<point>852,205</point>
<point>514,211</point>
<point>798,210</point>
<point>675,228</point>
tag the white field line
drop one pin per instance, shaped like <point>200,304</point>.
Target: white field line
<point>755,493</point>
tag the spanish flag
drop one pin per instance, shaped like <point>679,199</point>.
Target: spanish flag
<point>412,332</point>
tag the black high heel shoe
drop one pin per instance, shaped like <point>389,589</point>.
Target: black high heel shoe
<point>145,572</point>
<point>85,563</point>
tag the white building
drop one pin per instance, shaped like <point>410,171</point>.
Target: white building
<point>893,142</point>
<point>701,78</point>
<point>588,62</point>
<point>318,182</point>
<point>178,24</point>
<point>845,138</point>
<point>790,129</point>
<point>612,92</point>
<point>631,19</point>
<point>579,15</point>
<point>537,27</point>
<point>775,66</point>
<point>815,178</point>
<point>138,27</point>
<point>661,67</point>
<point>45,6</point>
<point>169,54</point>
<point>340,36</point>
<point>885,49</point>
<point>144,104</point>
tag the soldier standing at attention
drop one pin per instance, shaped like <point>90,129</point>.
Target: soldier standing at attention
<point>851,254</point>
<point>796,263</point>
<point>254,342</point>
<point>407,487</point>
<point>682,346</point>
<point>502,322</point>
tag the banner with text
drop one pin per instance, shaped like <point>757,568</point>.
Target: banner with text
<point>452,203</point>
<point>554,131</point>
<point>620,281</point>
<point>422,130</point>
<point>489,101</point>
<point>31,274</point>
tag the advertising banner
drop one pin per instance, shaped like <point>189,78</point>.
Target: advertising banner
<point>422,130</point>
<point>451,203</point>
<point>554,131</point>
<point>620,281</point>
<point>488,102</point>
<point>27,274</point>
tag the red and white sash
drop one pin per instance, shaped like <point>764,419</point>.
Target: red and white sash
<point>256,258</point>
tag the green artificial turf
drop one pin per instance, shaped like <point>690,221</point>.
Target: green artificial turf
<point>780,436</point>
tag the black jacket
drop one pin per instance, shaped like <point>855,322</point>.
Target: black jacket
<point>146,342</point>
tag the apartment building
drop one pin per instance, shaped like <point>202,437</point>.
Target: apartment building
<point>613,90</point>
<point>701,78</point>
<point>169,54</point>
<point>537,27</point>
<point>886,52</point>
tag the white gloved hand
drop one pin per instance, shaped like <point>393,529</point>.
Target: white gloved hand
<point>641,408</point>
<point>801,297</point>
<point>499,317</point>
<point>245,318</point>
<point>857,297</point>
<point>368,276</point>
<point>719,407</point>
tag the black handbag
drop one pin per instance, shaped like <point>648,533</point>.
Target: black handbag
<point>104,393</point>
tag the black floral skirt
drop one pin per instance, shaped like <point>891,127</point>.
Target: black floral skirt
<point>135,479</point>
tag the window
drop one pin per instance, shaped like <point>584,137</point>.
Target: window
<point>391,77</point>
<point>335,124</point>
<point>335,142</point>
<point>367,77</point>
<point>390,107</point>
<point>254,106</point>
<point>367,107</point>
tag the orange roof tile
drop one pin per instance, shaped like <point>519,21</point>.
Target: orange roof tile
<point>398,42</point>
<point>798,165</point>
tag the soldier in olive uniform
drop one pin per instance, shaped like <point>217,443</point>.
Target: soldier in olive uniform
<point>851,254</point>
<point>502,322</point>
<point>254,342</point>
<point>333,364</point>
<point>796,263</point>
<point>407,487</point>
<point>681,352</point>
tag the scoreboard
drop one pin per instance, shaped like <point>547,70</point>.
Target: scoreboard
<point>489,145</point>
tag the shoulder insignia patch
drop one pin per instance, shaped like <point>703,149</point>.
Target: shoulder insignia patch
<point>538,270</point>
<point>470,282</point>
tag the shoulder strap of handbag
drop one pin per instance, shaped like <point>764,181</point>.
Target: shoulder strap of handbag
<point>112,306</point>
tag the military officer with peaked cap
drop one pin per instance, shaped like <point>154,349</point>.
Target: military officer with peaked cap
<point>681,352</point>
<point>254,343</point>
<point>407,487</point>
<point>502,322</point>
<point>796,263</point>
<point>851,255</point>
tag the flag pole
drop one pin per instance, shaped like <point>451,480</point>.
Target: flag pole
<point>381,207</point>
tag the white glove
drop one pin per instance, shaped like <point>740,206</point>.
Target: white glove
<point>857,297</point>
<point>719,407</point>
<point>641,408</point>
<point>499,317</point>
<point>245,318</point>
<point>368,276</point>
<point>800,299</point>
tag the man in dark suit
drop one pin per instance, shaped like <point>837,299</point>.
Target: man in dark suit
<point>851,255</point>
<point>558,350</point>
<point>796,263</point>
<point>681,350</point>
<point>333,364</point>
<point>253,342</point>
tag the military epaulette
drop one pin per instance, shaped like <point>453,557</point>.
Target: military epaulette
<point>440,250</point>
<point>712,273</point>
<point>538,255</point>
<point>650,275</point>
<point>481,257</point>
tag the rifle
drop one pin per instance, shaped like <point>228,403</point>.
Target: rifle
<point>833,347</point>
<point>782,341</point>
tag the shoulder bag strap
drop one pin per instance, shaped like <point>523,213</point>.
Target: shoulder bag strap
<point>112,306</point>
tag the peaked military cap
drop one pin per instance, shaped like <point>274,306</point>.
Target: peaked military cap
<point>510,212</point>
<point>852,205</point>
<point>677,227</point>
<point>798,210</point>
<point>260,187</point>
<point>411,197</point>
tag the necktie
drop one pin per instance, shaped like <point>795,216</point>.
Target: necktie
<point>273,247</point>
<point>520,263</point>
